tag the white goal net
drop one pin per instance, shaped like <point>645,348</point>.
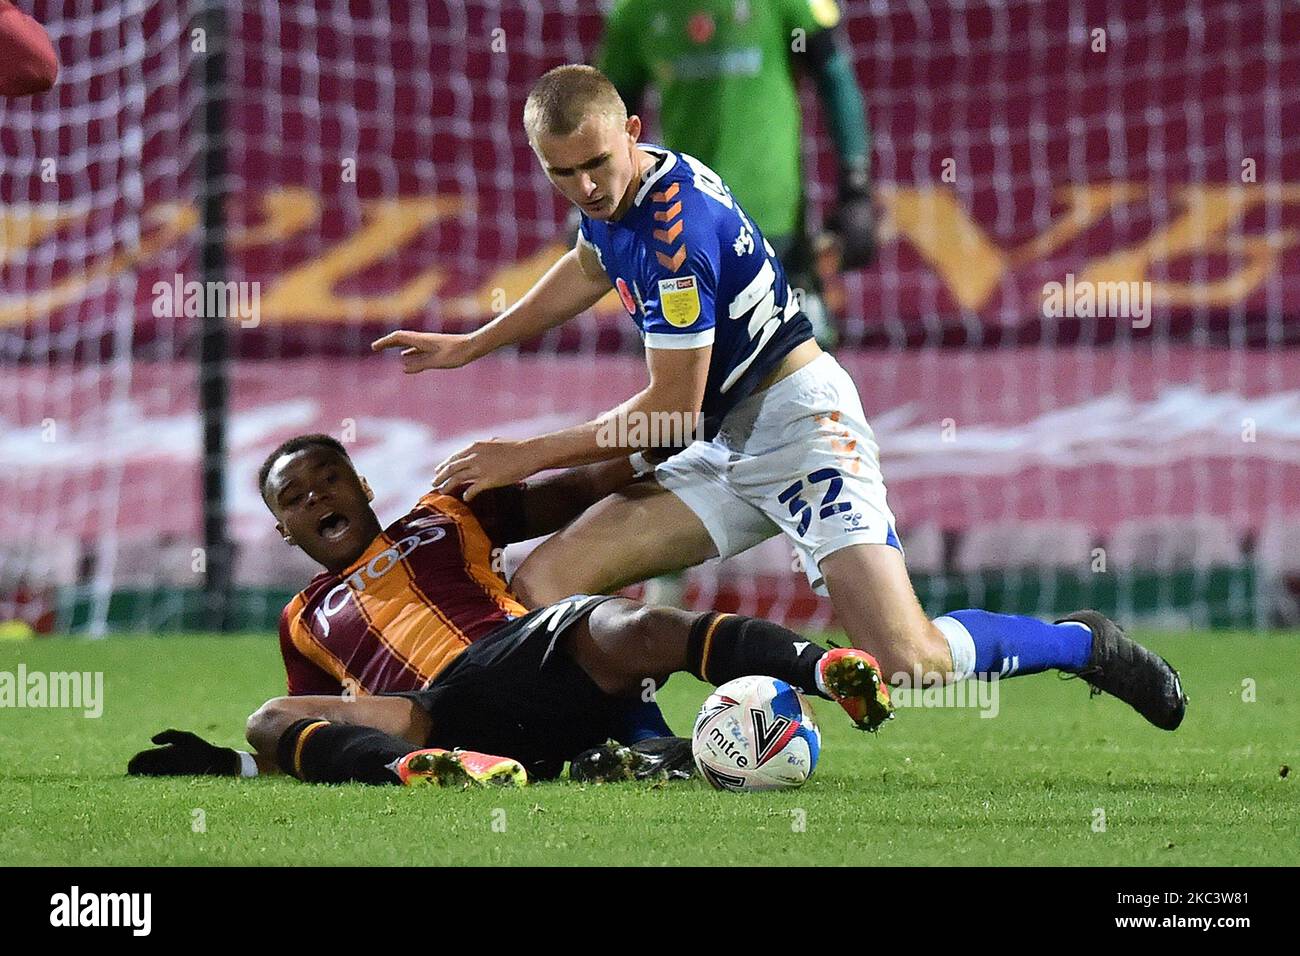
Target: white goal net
<point>1077,345</point>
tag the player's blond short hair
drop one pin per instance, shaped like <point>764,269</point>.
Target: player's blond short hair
<point>567,95</point>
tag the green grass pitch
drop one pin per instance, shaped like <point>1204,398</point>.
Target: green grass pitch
<point>936,786</point>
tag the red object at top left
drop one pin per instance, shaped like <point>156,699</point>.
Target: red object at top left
<point>28,63</point>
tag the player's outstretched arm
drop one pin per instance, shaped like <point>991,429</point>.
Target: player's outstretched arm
<point>664,413</point>
<point>565,290</point>
<point>670,405</point>
<point>547,503</point>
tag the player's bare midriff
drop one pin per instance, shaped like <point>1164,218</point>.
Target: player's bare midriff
<point>801,355</point>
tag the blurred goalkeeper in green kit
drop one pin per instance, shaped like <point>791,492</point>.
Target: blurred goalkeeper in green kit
<point>726,71</point>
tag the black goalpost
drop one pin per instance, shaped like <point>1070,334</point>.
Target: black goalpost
<point>214,337</point>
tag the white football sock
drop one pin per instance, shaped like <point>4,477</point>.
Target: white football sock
<point>960,644</point>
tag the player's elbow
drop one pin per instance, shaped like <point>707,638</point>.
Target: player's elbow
<point>672,421</point>
<point>680,388</point>
<point>531,589</point>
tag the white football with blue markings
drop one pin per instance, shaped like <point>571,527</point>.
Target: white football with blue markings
<point>756,733</point>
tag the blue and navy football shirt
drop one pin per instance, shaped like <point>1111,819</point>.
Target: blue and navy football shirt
<point>693,270</point>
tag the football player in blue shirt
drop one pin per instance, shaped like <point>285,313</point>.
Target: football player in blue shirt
<point>781,443</point>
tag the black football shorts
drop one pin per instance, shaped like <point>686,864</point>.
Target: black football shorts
<point>514,694</point>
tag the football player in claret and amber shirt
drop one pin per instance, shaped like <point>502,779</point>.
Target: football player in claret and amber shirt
<point>408,640</point>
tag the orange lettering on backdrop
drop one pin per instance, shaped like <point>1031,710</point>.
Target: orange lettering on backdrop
<point>306,292</point>
<point>1210,212</point>
<point>1084,206</point>
<point>932,220</point>
<point>969,263</point>
<point>28,226</point>
<point>285,213</point>
<point>169,221</point>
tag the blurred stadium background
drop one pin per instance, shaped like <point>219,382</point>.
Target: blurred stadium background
<point>1034,464</point>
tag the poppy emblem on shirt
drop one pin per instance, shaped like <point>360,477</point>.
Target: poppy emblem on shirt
<point>700,28</point>
<point>625,294</point>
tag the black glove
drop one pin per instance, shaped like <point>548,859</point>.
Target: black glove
<point>854,219</point>
<point>184,755</point>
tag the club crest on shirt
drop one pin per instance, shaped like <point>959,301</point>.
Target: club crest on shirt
<point>679,299</point>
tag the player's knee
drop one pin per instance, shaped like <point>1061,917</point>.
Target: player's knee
<point>641,625</point>
<point>658,637</point>
<point>268,722</point>
<point>638,641</point>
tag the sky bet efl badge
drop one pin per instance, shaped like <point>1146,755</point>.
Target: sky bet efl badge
<point>680,300</point>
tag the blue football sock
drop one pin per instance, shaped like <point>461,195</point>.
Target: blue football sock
<point>1009,645</point>
<point>643,721</point>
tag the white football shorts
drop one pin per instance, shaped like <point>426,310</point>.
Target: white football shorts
<point>798,458</point>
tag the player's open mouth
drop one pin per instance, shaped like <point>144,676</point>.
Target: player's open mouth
<point>333,526</point>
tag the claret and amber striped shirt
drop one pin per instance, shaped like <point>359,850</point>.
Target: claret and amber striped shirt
<point>422,592</point>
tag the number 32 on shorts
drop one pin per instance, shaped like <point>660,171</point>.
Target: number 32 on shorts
<point>799,508</point>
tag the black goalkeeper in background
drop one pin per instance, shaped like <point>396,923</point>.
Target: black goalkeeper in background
<point>727,73</point>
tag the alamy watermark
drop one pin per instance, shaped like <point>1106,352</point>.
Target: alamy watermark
<point>1085,299</point>
<point>650,430</point>
<point>75,690</point>
<point>74,908</point>
<point>930,689</point>
<point>234,300</point>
